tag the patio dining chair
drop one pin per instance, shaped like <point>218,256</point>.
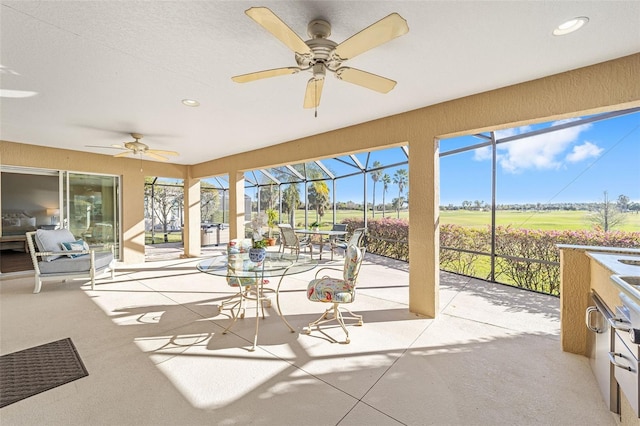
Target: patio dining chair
<point>337,291</point>
<point>357,239</point>
<point>337,241</point>
<point>249,287</point>
<point>289,240</point>
<point>243,285</point>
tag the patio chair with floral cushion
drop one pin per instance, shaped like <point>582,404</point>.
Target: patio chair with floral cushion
<point>250,286</point>
<point>337,291</point>
<point>243,285</point>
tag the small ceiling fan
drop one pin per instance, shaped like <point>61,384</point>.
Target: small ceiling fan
<point>319,54</point>
<point>138,148</point>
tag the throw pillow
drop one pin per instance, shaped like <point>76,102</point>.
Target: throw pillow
<point>75,246</point>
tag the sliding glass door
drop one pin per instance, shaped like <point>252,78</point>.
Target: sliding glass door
<point>90,208</point>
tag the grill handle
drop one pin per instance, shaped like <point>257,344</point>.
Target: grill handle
<point>588,322</point>
<point>619,324</point>
<point>612,359</point>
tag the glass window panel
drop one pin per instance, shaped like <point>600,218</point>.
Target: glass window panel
<point>93,208</point>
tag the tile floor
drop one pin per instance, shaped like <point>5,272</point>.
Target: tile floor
<point>152,343</point>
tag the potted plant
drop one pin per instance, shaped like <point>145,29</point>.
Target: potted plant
<point>272,216</point>
<point>258,252</point>
<point>315,225</point>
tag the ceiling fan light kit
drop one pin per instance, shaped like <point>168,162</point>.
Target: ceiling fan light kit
<point>319,54</point>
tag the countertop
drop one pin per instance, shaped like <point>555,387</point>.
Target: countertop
<point>611,261</point>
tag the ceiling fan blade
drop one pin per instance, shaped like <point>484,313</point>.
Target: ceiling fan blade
<point>270,22</point>
<point>313,92</point>
<point>162,152</point>
<point>365,79</point>
<point>384,30</point>
<point>123,154</point>
<point>155,156</point>
<point>245,78</point>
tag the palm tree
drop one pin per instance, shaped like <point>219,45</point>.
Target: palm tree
<point>386,181</point>
<point>319,198</point>
<point>290,202</point>
<point>375,176</point>
<point>400,178</point>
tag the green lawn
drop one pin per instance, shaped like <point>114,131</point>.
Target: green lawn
<point>545,220</point>
<point>327,219</point>
<point>172,237</point>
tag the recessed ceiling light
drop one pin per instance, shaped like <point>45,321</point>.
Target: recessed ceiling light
<point>190,102</point>
<point>6,93</point>
<point>571,25</point>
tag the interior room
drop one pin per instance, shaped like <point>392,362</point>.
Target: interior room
<point>190,90</point>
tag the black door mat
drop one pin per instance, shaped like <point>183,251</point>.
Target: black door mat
<point>31,371</point>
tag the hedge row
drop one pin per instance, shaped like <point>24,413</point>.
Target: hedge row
<point>525,258</point>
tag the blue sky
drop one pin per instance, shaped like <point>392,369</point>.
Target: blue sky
<point>573,165</point>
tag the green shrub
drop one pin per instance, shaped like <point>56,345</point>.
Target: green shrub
<point>525,258</point>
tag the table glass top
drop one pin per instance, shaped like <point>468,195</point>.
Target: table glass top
<point>319,232</point>
<point>274,264</point>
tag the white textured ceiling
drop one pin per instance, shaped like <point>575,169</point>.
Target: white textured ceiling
<point>104,69</point>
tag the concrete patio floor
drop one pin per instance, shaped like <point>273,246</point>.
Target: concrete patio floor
<point>153,345</point>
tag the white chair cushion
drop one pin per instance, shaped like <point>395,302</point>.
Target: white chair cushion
<point>51,240</point>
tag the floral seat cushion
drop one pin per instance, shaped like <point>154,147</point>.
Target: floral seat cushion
<point>330,290</point>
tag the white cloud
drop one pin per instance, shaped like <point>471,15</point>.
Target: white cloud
<point>482,154</point>
<point>541,152</point>
<point>505,133</point>
<point>583,152</point>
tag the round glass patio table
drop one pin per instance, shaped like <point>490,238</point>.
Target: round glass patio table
<point>275,265</point>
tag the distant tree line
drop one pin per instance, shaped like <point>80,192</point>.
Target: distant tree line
<point>623,204</point>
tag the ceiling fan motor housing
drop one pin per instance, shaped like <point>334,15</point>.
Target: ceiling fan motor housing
<point>136,147</point>
<point>321,47</point>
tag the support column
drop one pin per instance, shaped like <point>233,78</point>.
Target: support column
<point>191,230</point>
<point>236,204</point>
<point>575,284</point>
<point>424,235</point>
<point>133,233</point>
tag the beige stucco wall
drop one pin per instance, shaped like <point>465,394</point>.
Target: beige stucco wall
<point>603,87</point>
<point>575,285</point>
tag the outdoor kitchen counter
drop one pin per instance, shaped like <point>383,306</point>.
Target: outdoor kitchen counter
<point>582,270</point>
<point>614,263</point>
<point>617,276</point>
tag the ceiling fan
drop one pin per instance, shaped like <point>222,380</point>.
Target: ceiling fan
<point>138,148</point>
<point>319,54</point>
